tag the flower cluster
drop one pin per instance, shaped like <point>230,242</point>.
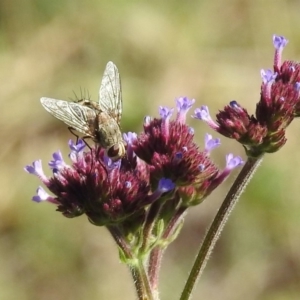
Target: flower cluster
<point>279,104</point>
<point>162,164</point>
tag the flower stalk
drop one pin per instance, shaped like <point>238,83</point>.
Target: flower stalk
<point>218,224</point>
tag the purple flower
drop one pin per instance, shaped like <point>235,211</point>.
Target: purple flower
<point>183,105</point>
<point>233,161</point>
<point>279,41</point>
<point>76,150</point>
<point>211,143</point>
<point>279,104</point>
<point>57,163</point>
<point>268,76</point>
<point>202,113</point>
<point>78,147</point>
<point>129,137</point>
<point>42,195</point>
<point>158,163</point>
<point>174,155</point>
<point>36,169</point>
<point>165,113</point>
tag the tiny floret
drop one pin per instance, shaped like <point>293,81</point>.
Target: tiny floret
<point>201,167</point>
<point>165,112</point>
<point>268,76</point>
<point>36,169</point>
<point>129,137</point>
<point>77,147</point>
<point>58,162</point>
<point>165,185</point>
<point>297,86</point>
<point>279,41</point>
<point>41,195</point>
<point>128,184</point>
<point>202,113</point>
<point>211,143</point>
<point>233,161</point>
<point>183,105</point>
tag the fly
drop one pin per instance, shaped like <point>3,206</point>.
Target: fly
<point>100,120</point>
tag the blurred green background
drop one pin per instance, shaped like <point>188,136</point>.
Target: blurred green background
<point>208,50</point>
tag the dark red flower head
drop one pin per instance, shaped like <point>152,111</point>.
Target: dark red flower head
<point>279,104</point>
<point>162,159</point>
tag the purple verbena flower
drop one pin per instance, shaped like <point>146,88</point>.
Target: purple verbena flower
<point>163,164</point>
<point>164,185</point>
<point>36,169</point>
<point>76,149</point>
<point>58,162</point>
<point>183,105</point>
<point>279,43</point>
<point>42,195</point>
<point>279,103</point>
<point>211,143</point>
<point>233,161</point>
<point>202,113</point>
<point>165,112</point>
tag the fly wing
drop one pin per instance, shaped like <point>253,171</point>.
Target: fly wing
<point>75,115</point>
<point>110,96</point>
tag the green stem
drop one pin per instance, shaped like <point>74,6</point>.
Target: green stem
<point>157,252</point>
<point>136,266</point>
<point>149,225</point>
<point>218,224</point>
<point>141,282</point>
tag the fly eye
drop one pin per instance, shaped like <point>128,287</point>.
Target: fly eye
<point>113,151</point>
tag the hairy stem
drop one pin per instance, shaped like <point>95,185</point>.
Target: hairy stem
<point>136,267</point>
<point>218,224</point>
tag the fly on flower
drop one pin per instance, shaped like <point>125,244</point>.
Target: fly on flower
<point>98,121</point>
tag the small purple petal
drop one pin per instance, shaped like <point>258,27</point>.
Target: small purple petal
<point>292,69</point>
<point>268,76</point>
<point>76,147</point>
<point>279,41</point>
<point>129,137</point>
<point>211,143</point>
<point>178,157</point>
<point>297,86</point>
<point>57,163</point>
<point>42,195</point>
<point>110,164</point>
<point>128,184</point>
<point>233,162</point>
<point>235,106</point>
<point>202,113</point>
<point>201,167</point>
<point>165,185</point>
<point>183,105</point>
<point>36,169</point>
<point>165,113</point>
